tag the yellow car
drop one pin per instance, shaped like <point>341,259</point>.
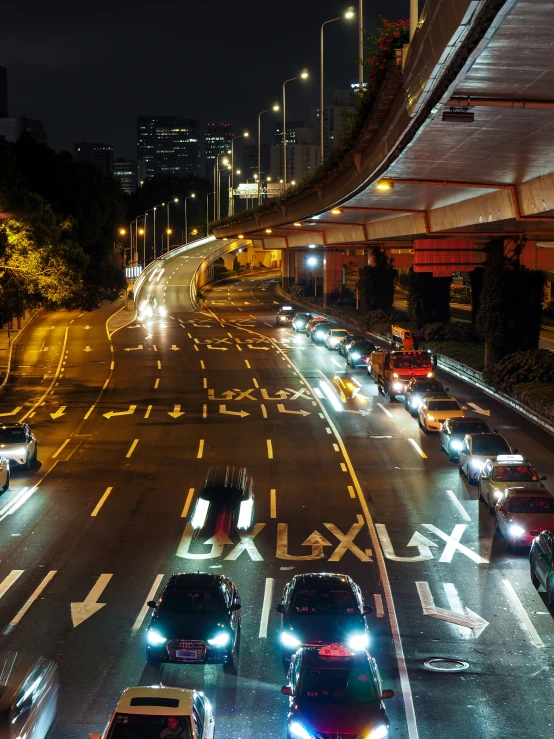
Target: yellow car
<point>433,411</point>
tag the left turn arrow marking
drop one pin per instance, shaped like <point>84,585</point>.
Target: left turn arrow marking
<point>133,348</point>
<point>12,413</point>
<point>110,414</point>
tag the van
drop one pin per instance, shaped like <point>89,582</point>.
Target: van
<point>28,695</point>
<point>403,338</point>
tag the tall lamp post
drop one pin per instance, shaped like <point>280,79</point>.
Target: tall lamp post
<point>208,196</point>
<point>303,75</point>
<point>312,262</point>
<point>275,108</point>
<point>189,197</point>
<point>348,15</point>
<point>244,135</point>
<point>361,46</point>
<point>146,212</point>
<point>175,200</point>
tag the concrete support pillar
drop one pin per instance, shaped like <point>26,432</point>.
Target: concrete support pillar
<point>332,273</point>
<point>288,269</point>
<point>302,273</point>
<point>228,260</point>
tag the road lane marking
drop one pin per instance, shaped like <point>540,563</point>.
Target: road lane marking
<point>351,491</point>
<point>255,382</point>
<point>318,392</point>
<point>379,610</point>
<point>459,506</point>
<point>204,411</point>
<point>145,608</point>
<point>200,449</point>
<point>248,364</point>
<point>202,365</point>
<point>196,347</point>
<point>52,384</point>
<point>343,467</point>
<point>104,386</point>
<point>159,364</point>
<point>147,414</point>
<point>189,335</point>
<point>320,414</point>
<point>112,365</point>
<point>90,605</point>
<point>156,384</point>
<point>9,580</point>
<point>418,449</point>
<point>269,449</point>
<point>382,407</point>
<point>154,347</point>
<point>522,613</point>
<point>273,503</point>
<point>336,447</point>
<point>66,442</point>
<point>205,382</point>
<point>264,411</point>
<point>19,615</point>
<point>188,501</point>
<point>328,430</point>
<point>268,597</point>
<point>101,502</point>
<point>132,448</point>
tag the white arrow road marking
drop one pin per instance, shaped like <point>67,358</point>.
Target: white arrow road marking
<point>12,413</point>
<point>302,393</point>
<point>242,414</point>
<point>217,543</point>
<point>133,348</point>
<point>19,615</point>
<point>175,348</point>
<point>455,605</point>
<point>417,540</point>
<point>145,608</point>
<point>477,409</point>
<point>111,414</point>
<point>453,543</point>
<point>176,412</point>
<point>227,395</point>
<point>9,580</point>
<point>268,597</point>
<point>259,348</point>
<point>281,409</point>
<point>472,621</point>
<point>246,544</point>
<point>59,412</point>
<point>279,395</point>
<point>363,413</point>
<point>87,349</point>
<point>462,511</point>
<point>81,611</point>
<point>316,541</point>
<point>522,613</point>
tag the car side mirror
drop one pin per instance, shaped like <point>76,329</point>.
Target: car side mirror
<point>152,604</point>
<point>543,477</point>
<point>387,694</point>
<point>500,507</point>
<point>484,476</point>
<point>94,736</point>
<point>367,609</point>
<point>235,607</point>
<point>280,608</point>
<point>286,690</point>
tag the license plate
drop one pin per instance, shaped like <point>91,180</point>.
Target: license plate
<point>186,653</point>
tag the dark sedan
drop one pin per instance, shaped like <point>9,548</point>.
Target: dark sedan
<point>345,343</point>
<point>225,502</point>
<point>359,352</point>
<point>541,559</point>
<point>196,620</point>
<point>318,332</point>
<point>454,430</point>
<point>420,388</point>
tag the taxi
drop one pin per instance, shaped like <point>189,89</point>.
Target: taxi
<point>522,513</point>
<point>285,316</point>
<point>506,470</point>
<point>335,692</point>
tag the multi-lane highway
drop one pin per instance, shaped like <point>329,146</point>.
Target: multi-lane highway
<point>129,418</point>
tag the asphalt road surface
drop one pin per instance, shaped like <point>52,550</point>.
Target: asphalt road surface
<point>127,427</point>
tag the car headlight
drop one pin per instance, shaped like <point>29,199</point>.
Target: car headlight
<point>319,334</point>
<point>358,642</point>
<point>515,530</point>
<point>379,732</point>
<point>456,445</point>
<point>296,729</point>
<point>155,639</point>
<point>149,311</point>
<point>397,386</point>
<point>220,640</point>
<point>430,417</point>
<point>356,355</point>
<point>415,401</point>
<point>333,342</point>
<point>477,464</point>
<point>162,311</point>
<point>498,494</point>
<point>289,640</point>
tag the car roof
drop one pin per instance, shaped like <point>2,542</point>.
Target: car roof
<point>14,425</point>
<point>156,693</point>
<point>487,433</point>
<point>311,658</point>
<point>225,476</point>
<point>510,462</point>
<point>522,490</point>
<point>468,419</point>
<point>322,581</point>
<point>194,580</point>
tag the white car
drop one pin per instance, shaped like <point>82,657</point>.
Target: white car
<point>158,711</point>
<point>434,411</point>
<point>18,444</point>
<point>476,449</point>
<point>334,336</point>
<point>506,471</point>
<point>4,474</point>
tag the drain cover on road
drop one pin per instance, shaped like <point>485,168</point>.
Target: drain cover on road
<point>442,664</point>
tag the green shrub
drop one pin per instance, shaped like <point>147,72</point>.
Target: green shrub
<point>449,331</point>
<point>522,367</point>
<point>470,354</point>
<point>297,291</point>
<point>538,396</point>
<point>381,321</point>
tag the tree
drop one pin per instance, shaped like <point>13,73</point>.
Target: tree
<point>428,298</point>
<point>376,283</point>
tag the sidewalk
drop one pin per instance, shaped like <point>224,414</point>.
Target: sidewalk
<point>120,317</point>
<point>9,336</point>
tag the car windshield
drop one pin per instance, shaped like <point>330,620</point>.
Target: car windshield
<point>515,473</point>
<point>12,436</point>
<point>323,602</point>
<point>476,427</point>
<point>406,360</point>
<point>489,446</point>
<point>337,685</point>
<point>531,505</point>
<point>138,726</point>
<point>192,601</point>
<point>303,317</point>
<point>320,326</point>
<point>362,346</point>
<point>339,332</point>
<point>428,387</point>
<point>443,405</point>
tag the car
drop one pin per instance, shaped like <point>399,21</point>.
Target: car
<point>506,470</point>
<point>225,501</point>
<point>317,334</point>
<point>4,474</point>
<point>420,388</point>
<point>334,692</point>
<point>149,307</point>
<point>359,352</point>
<point>346,389</point>
<point>454,430</point>
<point>522,513</point>
<point>476,449</point>
<point>158,711</point>
<point>310,326</point>
<point>333,336</point>
<point>346,341</point>
<point>319,608</point>
<point>18,445</point>
<point>196,620</point>
<point>301,320</point>
<point>285,316</point>
<point>541,563</point>
<point>433,412</point>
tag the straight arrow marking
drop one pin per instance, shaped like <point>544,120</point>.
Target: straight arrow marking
<point>417,540</point>
<point>87,349</point>
<point>59,412</point>
<point>176,412</point>
<point>87,608</point>
<point>479,410</point>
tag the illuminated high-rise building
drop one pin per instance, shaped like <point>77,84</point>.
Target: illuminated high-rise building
<point>168,144</point>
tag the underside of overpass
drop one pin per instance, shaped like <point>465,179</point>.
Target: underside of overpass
<point>463,154</point>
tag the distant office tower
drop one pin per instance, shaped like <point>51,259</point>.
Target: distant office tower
<point>12,129</point>
<point>301,160</point>
<point>168,145</point>
<point>291,131</point>
<point>335,117</point>
<point>3,92</point>
<point>218,141</point>
<point>126,173</point>
<point>101,155</point>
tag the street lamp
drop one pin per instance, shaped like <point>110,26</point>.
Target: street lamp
<point>348,15</point>
<point>189,197</point>
<point>175,200</point>
<point>275,109</point>
<point>146,212</point>
<point>210,194</point>
<point>303,75</point>
<point>312,262</point>
<point>244,135</point>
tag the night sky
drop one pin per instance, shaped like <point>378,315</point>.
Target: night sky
<point>88,69</point>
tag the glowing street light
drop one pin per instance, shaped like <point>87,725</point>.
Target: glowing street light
<point>303,76</point>
<point>275,108</point>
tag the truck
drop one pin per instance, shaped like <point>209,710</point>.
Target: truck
<point>393,370</point>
